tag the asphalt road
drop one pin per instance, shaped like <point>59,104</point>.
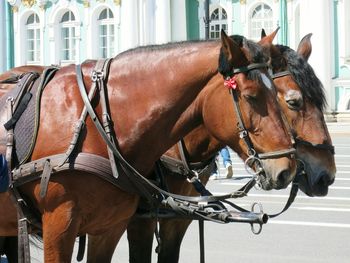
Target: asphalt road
<point>312,230</point>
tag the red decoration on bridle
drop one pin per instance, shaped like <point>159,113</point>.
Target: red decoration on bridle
<point>230,83</point>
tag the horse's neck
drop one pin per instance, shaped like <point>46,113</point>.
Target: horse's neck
<point>153,89</point>
<point>199,146</point>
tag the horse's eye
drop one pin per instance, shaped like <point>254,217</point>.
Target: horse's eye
<point>250,98</point>
<point>294,104</point>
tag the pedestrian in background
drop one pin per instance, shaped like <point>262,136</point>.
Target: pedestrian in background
<point>225,154</point>
<point>226,159</point>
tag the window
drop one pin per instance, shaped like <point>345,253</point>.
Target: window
<point>261,18</point>
<point>106,33</point>
<point>33,39</point>
<point>68,36</point>
<point>218,21</point>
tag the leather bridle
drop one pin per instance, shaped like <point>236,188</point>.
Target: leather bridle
<point>253,156</point>
<point>298,140</point>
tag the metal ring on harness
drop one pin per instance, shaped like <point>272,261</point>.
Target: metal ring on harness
<point>251,160</point>
<point>256,174</point>
<point>254,230</point>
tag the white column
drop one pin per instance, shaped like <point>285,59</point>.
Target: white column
<point>178,20</point>
<point>316,18</point>
<point>89,31</point>
<point>344,34</point>
<point>147,22</point>
<point>18,37</point>
<point>201,16</point>
<point>2,33</point>
<point>129,24</point>
<point>163,27</point>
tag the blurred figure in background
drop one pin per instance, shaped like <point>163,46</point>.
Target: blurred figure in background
<point>225,154</point>
<point>226,159</point>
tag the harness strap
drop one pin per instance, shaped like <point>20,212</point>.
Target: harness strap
<point>23,234</point>
<point>99,77</point>
<point>292,195</point>
<point>249,67</point>
<point>176,166</point>
<point>11,80</point>
<point>45,178</point>
<point>9,136</point>
<point>24,85</point>
<point>243,133</point>
<point>276,154</point>
<point>201,240</point>
<point>80,124</point>
<point>18,112</point>
<point>81,247</point>
<point>323,146</point>
<point>280,74</point>
<point>12,105</point>
<point>181,146</point>
<point>142,185</point>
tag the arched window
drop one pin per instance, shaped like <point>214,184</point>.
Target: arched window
<point>261,18</point>
<point>33,39</point>
<point>68,36</point>
<point>218,21</point>
<point>106,33</point>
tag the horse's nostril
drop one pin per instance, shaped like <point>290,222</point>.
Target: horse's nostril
<point>325,179</point>
<point>283,177</point>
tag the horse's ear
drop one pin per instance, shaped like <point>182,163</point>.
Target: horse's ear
<point>305,47</point>
<point>266,40</point>
<point>228,46</point>
<point>231,50</point>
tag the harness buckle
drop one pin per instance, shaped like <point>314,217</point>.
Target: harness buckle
<point>9,99</point>
<point>96,75</point>
<point>193,178</point>
<point>243,134</point>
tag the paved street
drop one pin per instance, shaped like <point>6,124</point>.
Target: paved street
<point>312,230</point>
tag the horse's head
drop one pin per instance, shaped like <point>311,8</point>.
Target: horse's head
<point>245,114</point>
<point>302,99</point>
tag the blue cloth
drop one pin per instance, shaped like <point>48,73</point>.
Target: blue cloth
<point>4,175</point>
<point>225,154</point>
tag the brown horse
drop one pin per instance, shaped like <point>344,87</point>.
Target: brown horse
<point>302,99</point>
<point>148,90</point>
<point>201,144</point>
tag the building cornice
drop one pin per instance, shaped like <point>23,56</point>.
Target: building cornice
<point>28,3</point>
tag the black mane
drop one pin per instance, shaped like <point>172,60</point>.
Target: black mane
<point>303,74</point>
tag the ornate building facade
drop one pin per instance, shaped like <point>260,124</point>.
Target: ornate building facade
<point>70,31</point>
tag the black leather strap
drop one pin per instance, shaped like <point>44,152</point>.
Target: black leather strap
<point>18,112</point>
<point>249,67</point>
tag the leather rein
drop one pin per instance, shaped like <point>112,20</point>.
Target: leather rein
<point>142,184</point>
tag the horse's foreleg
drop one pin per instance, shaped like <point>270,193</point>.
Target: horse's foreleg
<point>60,228</point>
<point>140,237</point>
<point>172,232</point>
<point>101,247</point>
